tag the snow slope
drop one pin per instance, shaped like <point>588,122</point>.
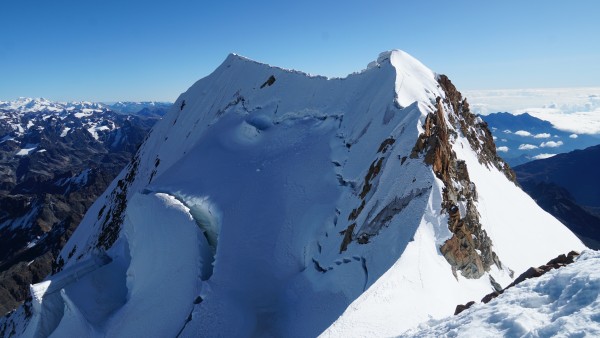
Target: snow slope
<point>161,241</point>
<point>293,205</point>
<point>563,303</point>
<point>521,235</point>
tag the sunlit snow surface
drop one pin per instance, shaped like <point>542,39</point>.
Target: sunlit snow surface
<point>234,221</point>
<point>562,303</point>
<point>419,287</point>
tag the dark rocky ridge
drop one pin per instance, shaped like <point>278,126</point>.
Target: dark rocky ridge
<point>469,250</point>
<point>555,263</point>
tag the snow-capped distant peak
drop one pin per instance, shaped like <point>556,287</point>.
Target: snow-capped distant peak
<point>32,105</point>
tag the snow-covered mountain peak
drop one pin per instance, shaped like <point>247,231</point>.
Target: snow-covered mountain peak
<point>234,56</point>
<point>24,105</point>
<point>294,205</point>
<point>399,57</point>
<point>414,81</point>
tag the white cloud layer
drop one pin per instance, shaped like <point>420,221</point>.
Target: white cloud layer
<point>503,149</point>
<point>551,144</point>
<point>573,136</point>
<point>522,133</point>
<point>542,135</point>
<point>579,122</point>
<point>575,110</point>
<point>527,146</point>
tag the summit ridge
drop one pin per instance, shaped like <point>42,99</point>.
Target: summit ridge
<point>295,205</point>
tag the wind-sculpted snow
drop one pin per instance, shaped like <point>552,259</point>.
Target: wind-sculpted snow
<point>164,255</point>
<point>304,197</point>
<point>167,255</point>
<point>51,298</point>
<point>561,303</point>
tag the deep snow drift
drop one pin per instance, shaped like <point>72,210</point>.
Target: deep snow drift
<point>563,302</point>
<point>272,203</point>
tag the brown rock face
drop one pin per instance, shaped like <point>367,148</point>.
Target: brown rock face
<point>469,250</point>
<point>474,129</point>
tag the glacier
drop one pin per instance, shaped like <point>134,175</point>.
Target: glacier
<point>269,202</point>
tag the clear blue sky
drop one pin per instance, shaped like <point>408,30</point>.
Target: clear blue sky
<point>145,50</point>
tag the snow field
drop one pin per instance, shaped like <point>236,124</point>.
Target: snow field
<point>561,303</point>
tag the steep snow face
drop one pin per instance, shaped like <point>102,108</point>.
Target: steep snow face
<point>522,236</point>
<point>414,81</point>
<point>300,202</point>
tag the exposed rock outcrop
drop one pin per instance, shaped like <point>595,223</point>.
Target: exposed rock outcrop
<point>558,262</point>
<point>374,222</point>
<point>113,218</point>
<point>368,184</point>
<point>469,250</point>
<point>474,129</point>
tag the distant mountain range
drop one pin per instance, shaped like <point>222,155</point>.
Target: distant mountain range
<point>35,105</point>
<point>145,108</point>
<point>25,105</point>
<point>55,159</point>
<point>523,138</point>
<point>568,187</point>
